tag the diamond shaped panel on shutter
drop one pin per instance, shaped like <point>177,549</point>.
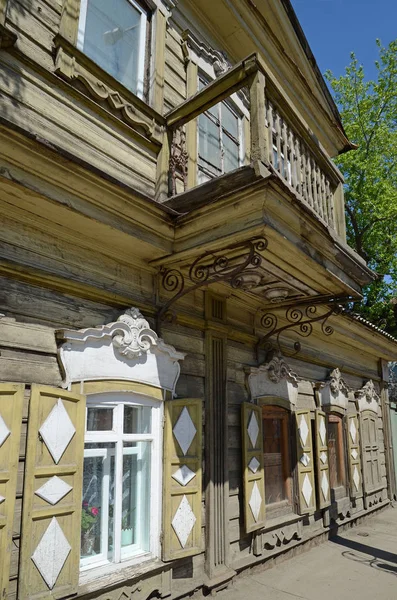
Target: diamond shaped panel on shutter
<point>353,445</point>
<point>254,477</point>
<point>305,462</point>
<point>182,478</point>
<point>322,462</point>
<point>51,519</point>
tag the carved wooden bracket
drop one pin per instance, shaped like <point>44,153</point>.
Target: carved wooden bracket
<point>72,65</point>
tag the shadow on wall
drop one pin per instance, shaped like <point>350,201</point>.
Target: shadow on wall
<point>367,555</point>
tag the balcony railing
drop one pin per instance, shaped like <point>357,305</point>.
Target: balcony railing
<point>279,138</point>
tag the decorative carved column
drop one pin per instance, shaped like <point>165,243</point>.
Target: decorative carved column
<point>216,480</point>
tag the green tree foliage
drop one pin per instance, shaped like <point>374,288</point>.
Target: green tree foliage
<point>369,114</point>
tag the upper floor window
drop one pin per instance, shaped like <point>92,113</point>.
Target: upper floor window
<point>219,139</point>
<point>336,452</point>
<point>113,34</point>
<point>276,455</point>
<point>121,477</point>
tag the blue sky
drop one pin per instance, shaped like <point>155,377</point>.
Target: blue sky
<point>336,27</point>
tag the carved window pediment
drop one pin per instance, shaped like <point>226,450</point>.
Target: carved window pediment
<point>273,378</point>
<point>368,397</point>
<point>334,391</point>
<point>127,349</point>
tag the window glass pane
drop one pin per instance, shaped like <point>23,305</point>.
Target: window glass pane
<point>112,38</point>
<point>97,502</point>
<point>230,154</point>
<point>136,497</point>
<point>275,485</point>
<point>209,141</point>
<point>99,419</point>
<point>214,110</point>
<point>229,121</point>
<point>137,419</point>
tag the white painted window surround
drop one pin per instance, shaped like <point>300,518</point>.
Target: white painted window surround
<point>123,439</point>
<point>113,34</point>
<point>122,478</point>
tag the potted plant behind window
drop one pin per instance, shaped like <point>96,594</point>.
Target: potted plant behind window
<point>89,518</point>
<point>126,532</point>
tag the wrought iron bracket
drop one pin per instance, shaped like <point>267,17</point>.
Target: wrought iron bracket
<point>231,264</point>
<point>300,319</point>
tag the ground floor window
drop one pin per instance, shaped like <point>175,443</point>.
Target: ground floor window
<point>121,492</point>
<point>336,452</point>
<point>276,455</point>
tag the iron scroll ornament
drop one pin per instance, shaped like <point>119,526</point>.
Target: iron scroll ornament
<point>230,264</point>
<point>301,319</point>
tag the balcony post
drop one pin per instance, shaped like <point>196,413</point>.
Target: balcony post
<point>339,221</point>
<point>259,140</point>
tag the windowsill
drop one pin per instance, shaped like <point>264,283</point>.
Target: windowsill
<point>102,575</point>
<point>285,519</point>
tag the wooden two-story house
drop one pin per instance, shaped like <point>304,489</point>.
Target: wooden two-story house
<point>183,392</point>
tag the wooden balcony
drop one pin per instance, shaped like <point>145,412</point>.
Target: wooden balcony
<point>279,139</point>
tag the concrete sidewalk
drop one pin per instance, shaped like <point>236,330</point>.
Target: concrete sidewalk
<point>360,564</point>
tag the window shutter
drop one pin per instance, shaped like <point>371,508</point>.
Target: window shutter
<point>254,476</point>
<point>307,495</point>
<point>182,478</point>
<point>51,519</point>
<point>353,437</point>
<point>11,402</point>
<point>322,460</point>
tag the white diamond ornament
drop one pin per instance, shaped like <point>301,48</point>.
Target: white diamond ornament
<point>353,431</point>
<point>184,430</point>
<point>255,501</point>
<point>356,477</point>
<point>57,431</point>
<point>303,430</point>
<point>323,458</point>
<point>322,431</point>
<point>183,521</point>
<point>4,431</point>
<point>305,459</point>
<point>53,490</point>
<point>253,429</point>
<point>183,475</point>
<point>354,454</point>
<point>324,485</point>
<point>307,490</point>
<point>51,553</point>
<point>2,499</point>
<point>254,464</point>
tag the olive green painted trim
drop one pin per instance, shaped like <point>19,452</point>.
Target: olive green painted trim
<point>191,127</point>
<point>104,386</point>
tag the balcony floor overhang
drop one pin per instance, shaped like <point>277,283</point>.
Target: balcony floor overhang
<point>304,257</point>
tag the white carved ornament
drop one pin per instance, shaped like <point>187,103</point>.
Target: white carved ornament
<point>334,391</point>
<point>368,397</point>
<point>57,431</point>
<point>275,377</point>
<point>368,392</point>
<point>127,349</point>
<point>337,383</point>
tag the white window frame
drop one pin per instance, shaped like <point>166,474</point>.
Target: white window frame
<point>116,400</point>
<point>142,40</point>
